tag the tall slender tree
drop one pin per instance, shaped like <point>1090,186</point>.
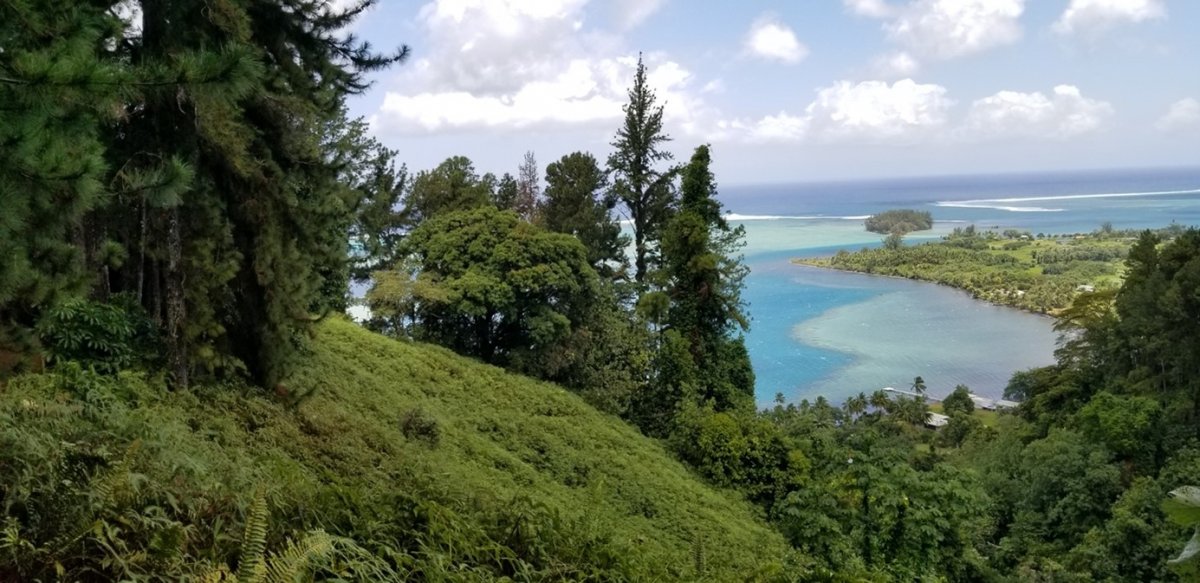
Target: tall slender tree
<point>528,188</point>
<point>705,275</point>
<point>236,266</point>
<point>644,188</point>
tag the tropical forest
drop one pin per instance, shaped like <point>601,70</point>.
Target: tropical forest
<point>241,340</point>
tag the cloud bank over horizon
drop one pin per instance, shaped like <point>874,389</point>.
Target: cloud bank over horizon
<point>553,72</point>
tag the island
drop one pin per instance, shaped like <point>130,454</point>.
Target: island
<point>1039,273</point>
<point>899,221</point>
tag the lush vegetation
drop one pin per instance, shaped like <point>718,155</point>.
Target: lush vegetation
<point>186,200</point>
<point>899,221</point>
<point>420,463</point>
<point>1040,274</point>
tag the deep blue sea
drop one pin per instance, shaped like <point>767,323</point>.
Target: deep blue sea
<point>819,332</point>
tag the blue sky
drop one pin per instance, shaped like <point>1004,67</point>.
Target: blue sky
<point>797,91</point>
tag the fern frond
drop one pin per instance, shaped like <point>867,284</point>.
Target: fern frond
<point>114,484</point>
<point>10,537</point>
<point>251,568</point>
<point>298,558</point>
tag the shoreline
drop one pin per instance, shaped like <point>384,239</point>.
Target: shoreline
<point>805,263</point>
<point>1042,275</point>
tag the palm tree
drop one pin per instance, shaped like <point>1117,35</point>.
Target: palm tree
<point>880,401</point>
<point>856,405</point>
<point>918,385</point>
<point>915,411</point>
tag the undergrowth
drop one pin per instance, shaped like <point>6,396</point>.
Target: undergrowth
<point>405,462</point>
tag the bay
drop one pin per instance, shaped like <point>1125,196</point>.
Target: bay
<point>824,333</point>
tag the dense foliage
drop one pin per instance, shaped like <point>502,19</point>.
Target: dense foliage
<point>187,154</point>
<point>185,198</point>
<point>1041,275</point>
<point>899,221</point>
<point>421,465</point>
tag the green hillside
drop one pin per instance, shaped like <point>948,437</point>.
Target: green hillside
<point>442,466</point>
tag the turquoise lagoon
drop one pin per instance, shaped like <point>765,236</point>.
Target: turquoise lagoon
<point>818,332</point>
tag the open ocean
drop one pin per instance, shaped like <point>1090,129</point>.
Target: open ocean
<point>818,332</point>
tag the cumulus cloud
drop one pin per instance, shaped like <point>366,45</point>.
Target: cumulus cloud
<point>497,46</point>
<point>1184,113</point>
<point>870,112</point>
<point>874,110</point>
<point>772,40</point>
<point>510,64</point>
<point>946,29</point>
<point>1092,17</point>
<point>1062,114</point>
<point>905,112</point>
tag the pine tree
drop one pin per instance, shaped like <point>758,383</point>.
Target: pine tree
<point>645,190</point>
<point>575,204</point>
<point>235,267</point>
<point>705,277</point>
<point>507,191</point>
<point>528,188</point>
<point>56,89</point>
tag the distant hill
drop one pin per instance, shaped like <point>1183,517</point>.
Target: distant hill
<point>449,469</point>
<point>899,221</point>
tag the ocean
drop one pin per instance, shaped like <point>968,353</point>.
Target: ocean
<point>824,333</point>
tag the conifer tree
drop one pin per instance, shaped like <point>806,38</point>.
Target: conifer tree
<point>704,274</point>
<point>235,267</point>
<point>55,92</point>
<point>645,190</point>
<point>575,203</point>
<point>507,191</point>
<point>528,188</point>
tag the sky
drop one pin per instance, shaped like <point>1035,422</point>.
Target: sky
<point>796,91</point>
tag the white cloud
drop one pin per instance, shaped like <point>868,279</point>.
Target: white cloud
<point>770,39</point>
<point>509,64</point>
<point>874,110</point>
<point>1092,17</point>
<point>631,13</point>
<point>1184,113</point>
<point>946,29</point>
<point>497,46</point>
<point>870,112</point>
<point>908,112</point>
<point>895,65</point>
<point>1063,114</point>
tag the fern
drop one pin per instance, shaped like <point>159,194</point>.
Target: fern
<point>114,485</point>
<point>298,558</point>
<point>251,567</point>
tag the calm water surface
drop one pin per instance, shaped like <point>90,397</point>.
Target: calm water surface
<point>819,332</point>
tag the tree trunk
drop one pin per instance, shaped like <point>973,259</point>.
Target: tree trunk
<point>176,309</point>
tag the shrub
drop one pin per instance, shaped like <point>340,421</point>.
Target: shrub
<point>417,425</point>
<point>105,336</point>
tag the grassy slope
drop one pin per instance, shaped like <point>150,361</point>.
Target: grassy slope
<point>520,469</point>
<point>504,435</point>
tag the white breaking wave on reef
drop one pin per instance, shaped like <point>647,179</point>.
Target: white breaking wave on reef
<point>983,204</point>
<point>997,203</point>
<point>741,217</point>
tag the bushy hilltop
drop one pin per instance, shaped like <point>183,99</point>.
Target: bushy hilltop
<point>415,463</point>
